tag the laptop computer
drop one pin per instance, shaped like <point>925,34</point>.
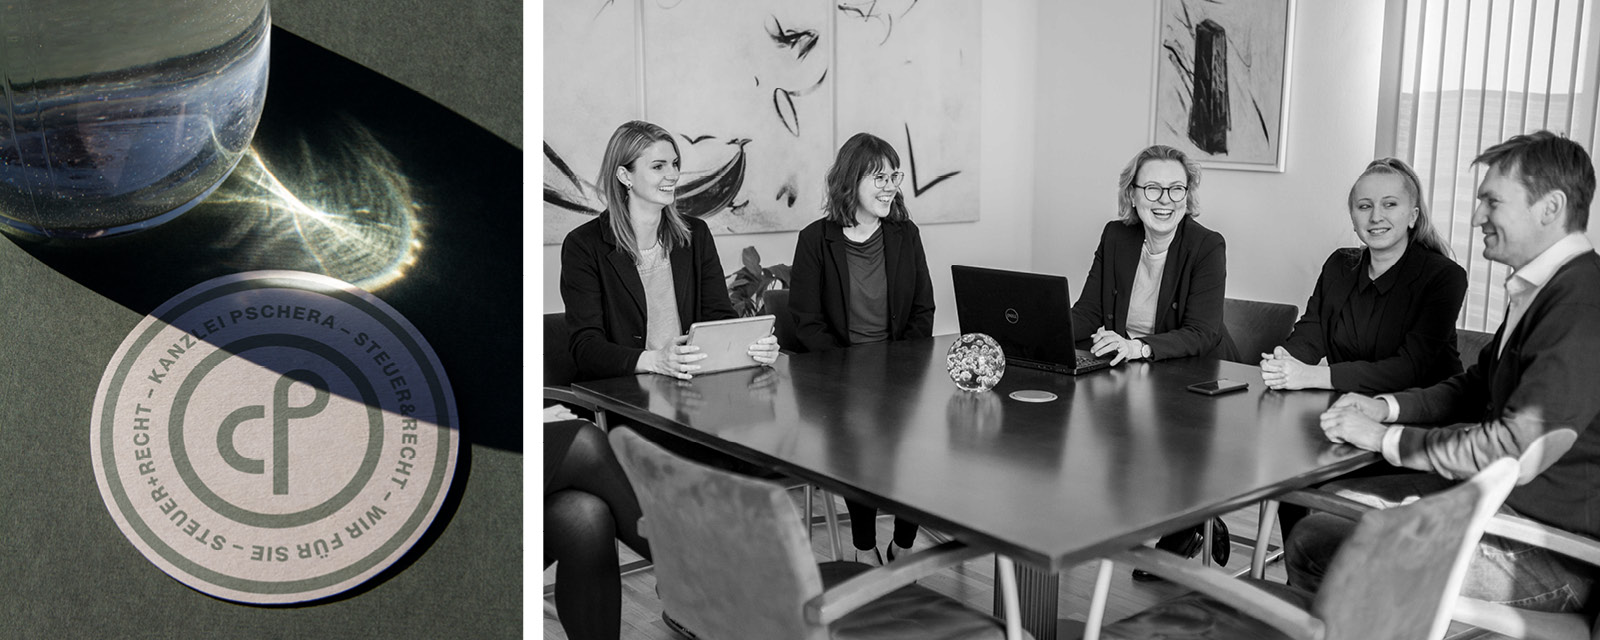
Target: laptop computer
<point>1029,314</point>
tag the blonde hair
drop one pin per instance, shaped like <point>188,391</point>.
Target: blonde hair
<point>1125,191</point>
<point>627,143</point>
<point>1423,232</point>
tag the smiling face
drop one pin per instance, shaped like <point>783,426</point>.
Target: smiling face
<point>1161,216</point>
<point>1382,211</point>
<point>1515,230</point>
<point>873,200</point>
<point>653,177</point>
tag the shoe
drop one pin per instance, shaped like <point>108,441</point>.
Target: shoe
<point>870,556</point>
<point>896,551</point>
<point>1189,542</point>
<point>677,628</point>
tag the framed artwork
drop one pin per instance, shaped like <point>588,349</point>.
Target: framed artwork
<point>759,95</point>
<point>1222,81</point>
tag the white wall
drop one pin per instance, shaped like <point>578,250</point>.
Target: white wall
<point>1095,63</point>
<point>1006,195</point>
<point>1066,102</point>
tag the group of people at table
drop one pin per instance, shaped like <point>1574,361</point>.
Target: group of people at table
<point>1379,325</point>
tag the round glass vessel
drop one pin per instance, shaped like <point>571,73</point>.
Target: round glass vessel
<point>122,114</point>
<point>975,362</point>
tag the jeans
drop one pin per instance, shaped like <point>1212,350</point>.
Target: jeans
<point>1500,571</point>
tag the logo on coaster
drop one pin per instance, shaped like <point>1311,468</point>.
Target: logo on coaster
<point>274,436</point>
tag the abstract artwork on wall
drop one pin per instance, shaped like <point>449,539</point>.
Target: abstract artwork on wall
<point>921,58</point>
<point>1222,81</point>
<point>599,90</point>
<point>759,109</point>
<point>760,94</point>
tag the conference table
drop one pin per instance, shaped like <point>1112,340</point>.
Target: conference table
<point>1122,455</point>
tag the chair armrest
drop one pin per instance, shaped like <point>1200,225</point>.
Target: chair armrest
<point>1320,500</point>
<point>564,395</point>
<point>1239,594</point>
<point>1565,543</point>
<point>851,594</point>
<point>1520,623</point>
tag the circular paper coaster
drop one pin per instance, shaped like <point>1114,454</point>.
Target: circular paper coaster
<point>1032,395</point>
<point>274,436</point>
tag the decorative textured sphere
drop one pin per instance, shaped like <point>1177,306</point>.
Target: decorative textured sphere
<point>976,362</point>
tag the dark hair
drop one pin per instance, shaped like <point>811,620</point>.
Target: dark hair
<point>1125,190</point>
<point>1544,162</point>
<point>627,143</point>
<point>1423,233</point>
<point>863,154</point>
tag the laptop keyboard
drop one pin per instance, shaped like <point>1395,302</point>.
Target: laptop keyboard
<point>1088,361</point>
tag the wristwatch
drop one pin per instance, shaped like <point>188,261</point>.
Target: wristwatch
<point>1144,350</point>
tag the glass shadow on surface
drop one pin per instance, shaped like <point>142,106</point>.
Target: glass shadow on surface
<point>355,176</point>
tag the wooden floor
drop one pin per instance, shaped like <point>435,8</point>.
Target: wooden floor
<point>971,583</point>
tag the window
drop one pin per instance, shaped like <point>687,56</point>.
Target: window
<point>1462,75</point>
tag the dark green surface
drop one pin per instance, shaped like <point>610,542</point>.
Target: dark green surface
<point>66,571</point>
<point>475,61</point>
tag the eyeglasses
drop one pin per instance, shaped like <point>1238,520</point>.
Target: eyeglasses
<point>880,181</point>
<point>1175,192</point>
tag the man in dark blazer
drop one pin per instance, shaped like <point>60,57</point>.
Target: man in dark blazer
<point>1536,383</point>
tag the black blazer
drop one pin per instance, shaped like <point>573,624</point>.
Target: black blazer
<point>606,302</point>
<point>1188,305</point>
<point>1414,339</point>
<point>820,285</point>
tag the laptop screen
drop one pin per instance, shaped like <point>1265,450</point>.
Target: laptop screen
<point>1029,314</point>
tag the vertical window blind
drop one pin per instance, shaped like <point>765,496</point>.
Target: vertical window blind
<point>1471,74</point>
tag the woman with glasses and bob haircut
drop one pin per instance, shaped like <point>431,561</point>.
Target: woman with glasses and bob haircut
<point>1382,314</point>
<point>860,276</point>
<point>635,278</point>
<point>1155,289</point>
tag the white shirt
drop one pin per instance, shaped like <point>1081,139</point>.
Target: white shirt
<point>1522,286</point>
<point>1146,287</point>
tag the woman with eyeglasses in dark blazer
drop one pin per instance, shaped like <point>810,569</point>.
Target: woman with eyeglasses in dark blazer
<point>1155,290</point>
<point>860,276</point>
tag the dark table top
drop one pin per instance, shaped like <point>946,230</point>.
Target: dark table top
<point>1123,455</point>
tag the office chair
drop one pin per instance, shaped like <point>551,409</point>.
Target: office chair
<point>1395,578</point>
<point>732,561</point>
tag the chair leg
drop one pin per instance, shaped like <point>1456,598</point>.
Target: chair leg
<point>810,509</point>
<point>1008,596</point>
<point>1097,604</point>
<point>1209,534</point>
<point>1264,522</point>
<point>833,524</point>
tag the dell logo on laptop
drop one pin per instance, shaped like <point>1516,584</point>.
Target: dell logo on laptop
<point>1012,316</point>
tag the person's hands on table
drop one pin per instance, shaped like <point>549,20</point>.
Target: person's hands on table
<point>1111,342</point>
<point>675,360</point>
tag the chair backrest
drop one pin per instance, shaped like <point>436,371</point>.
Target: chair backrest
<point>1399,573</point>
<point>732,557</point>
<point>1469,344</point>
<point>777,304</point>
<point>1257,326</point>
<point>559,368</point>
